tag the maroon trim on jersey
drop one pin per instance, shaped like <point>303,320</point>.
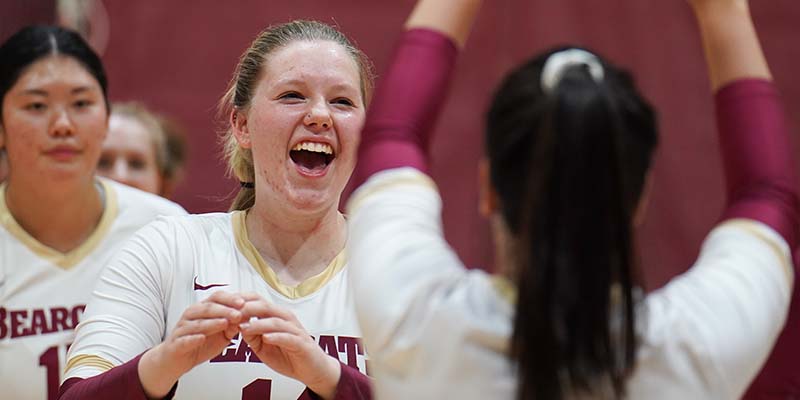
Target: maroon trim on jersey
<point>400,120</point>
<point>353,385</point>
<point>757,157</point>
<point>121,382</point>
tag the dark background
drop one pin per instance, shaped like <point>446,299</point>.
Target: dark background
<point>178,56</point>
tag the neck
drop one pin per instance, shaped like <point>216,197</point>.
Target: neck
<point>296,245</point>
<point>58,216</point>
<point>503,250</point>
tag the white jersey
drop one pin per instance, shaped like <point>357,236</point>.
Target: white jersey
<point>176,262</point>
<point>436,330</point>
<point>43,292</point>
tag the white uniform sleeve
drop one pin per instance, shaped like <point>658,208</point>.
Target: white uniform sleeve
<point>126,312</point>
<point>399,260</point>
<point>711,329</point>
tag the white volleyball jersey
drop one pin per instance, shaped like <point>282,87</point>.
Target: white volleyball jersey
<point>436,330</point>
<point>43,292</point>
<point>179,261</point>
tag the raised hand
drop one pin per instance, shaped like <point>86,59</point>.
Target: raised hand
<point>204,330</point>
<point>281,342</point>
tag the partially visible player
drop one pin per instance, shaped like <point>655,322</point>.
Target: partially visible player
<point>59,224</point>
<point>136,151</point>
<point>569,144</point>
<point>254,303</point>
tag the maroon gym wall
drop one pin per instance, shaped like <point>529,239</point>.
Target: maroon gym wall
<point>178,56</point>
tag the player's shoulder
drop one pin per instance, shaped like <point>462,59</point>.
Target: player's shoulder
<point>195,227</point>
<point>136,204</point>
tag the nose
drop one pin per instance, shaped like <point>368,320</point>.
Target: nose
<point>62,124</point>
<point>120,172</point>
<point>318,118</point>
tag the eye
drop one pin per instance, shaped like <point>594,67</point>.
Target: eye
<point>104,163</point>
<point>82,103</point>
<point>344,101</point>
<point>291,96</point>
<point>35,106</point>
<point>137,164</point>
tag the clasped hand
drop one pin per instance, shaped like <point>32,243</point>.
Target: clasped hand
<point>274,333</point>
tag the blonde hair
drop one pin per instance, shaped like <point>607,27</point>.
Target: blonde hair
<point>245,78</point>
<point>152,124</point>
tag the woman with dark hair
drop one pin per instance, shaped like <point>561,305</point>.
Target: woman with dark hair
<point>569,142</point>
<point>59,224</point>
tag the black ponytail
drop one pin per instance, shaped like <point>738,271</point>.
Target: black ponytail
<point>569,168</point>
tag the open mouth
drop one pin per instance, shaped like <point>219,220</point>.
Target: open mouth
<point>312,157</point>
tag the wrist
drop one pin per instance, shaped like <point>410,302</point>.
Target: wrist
<point>156,374</point>
<point>327,384</point>
<point>714,10</point>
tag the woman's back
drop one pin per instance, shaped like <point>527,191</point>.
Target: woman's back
<point>435,330</point>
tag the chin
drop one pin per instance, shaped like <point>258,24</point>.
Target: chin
<point>313,201</point>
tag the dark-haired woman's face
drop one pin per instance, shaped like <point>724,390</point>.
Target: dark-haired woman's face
<point>54,120</point>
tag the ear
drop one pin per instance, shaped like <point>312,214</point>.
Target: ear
<point>2,138</point>
<point>239,128</point>
<point>488,202</point>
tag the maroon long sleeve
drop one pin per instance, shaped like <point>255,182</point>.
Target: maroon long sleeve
<point>760,180</point>
<point>353,385</point>
<point>407,101</point>
<point>121,382</point>
<point>757,157</point>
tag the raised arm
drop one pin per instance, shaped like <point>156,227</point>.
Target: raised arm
<point>410,95</point>
<point>754,137</point>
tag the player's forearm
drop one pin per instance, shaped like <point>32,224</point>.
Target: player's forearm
<point>119,382</point>
<point>732,49</point>
<point>757,157</point>
<point>351,385</point>
<point>454,18</point>
<point>407,101</point>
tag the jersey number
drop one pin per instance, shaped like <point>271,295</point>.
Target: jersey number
<point>49,360</point>
<point>259,389</point>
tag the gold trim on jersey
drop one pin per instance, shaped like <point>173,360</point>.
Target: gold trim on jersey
<point>252,255</point>
<point>419,178</point>
<point>88,360</point>
<point>752,227</point>
<point>71,258</point>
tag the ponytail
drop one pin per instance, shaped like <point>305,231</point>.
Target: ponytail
<point>570,216</point>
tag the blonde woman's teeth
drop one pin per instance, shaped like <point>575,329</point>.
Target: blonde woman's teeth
<point>314,147</point>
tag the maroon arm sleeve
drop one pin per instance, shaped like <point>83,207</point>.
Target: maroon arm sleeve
<point>760,178</point>
<point>353,385</point>
<point>757,157</point>
<point>121,382</point>
<point>407,101</point>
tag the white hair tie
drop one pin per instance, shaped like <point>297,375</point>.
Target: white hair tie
<point>557,64</point>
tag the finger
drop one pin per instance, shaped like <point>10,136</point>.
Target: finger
<point>251,296</point>
<point>204,327</point>
<point>210,310</point>
<point>283,340</point>
<point>269,325</point>
<point>231,331</point>
<point>263,309</point>
<point>232,300</point>
<point>188,343</point>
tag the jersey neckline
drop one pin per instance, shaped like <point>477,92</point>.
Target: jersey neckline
<point>73,257</point>
<point>305,288</point>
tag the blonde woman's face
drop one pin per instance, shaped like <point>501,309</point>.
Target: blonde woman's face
<point>304,123</point>
<point>129,155</point>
